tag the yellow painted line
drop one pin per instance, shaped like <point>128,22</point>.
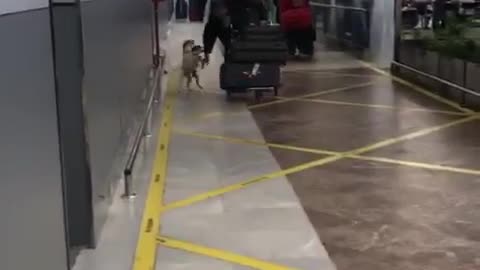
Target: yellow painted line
<point>336,90</point>
<point>380,106</point>
<point>433,167</point>
<point>411,136</point>
<point>312,164</point>
<point>214,114</point>
<point>258,179</point>
<point>332,73</point>
<point>318,93</point>
<point>145,253</point>
<point>288,99</point>
<point>408,163</point>
<point>254,142</point>
<point>419,89</point>
<point>220,254</point>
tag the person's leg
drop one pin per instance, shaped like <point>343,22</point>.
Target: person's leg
<point>311,38</point>
<point>202,7</point>
<point>291,43</point>
<point>305,41</point>
<point>225,39</point>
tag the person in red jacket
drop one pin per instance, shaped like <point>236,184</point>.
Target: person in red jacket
<point>296,20</point>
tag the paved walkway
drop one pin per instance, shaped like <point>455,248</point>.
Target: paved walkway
<point>265,223</point>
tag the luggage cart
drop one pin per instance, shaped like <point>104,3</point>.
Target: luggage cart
<point>243,78</point>
<point>253,61</point>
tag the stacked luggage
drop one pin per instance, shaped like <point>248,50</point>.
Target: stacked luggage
<point>254,59</point>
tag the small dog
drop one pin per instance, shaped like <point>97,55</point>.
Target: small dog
<point>192,60</point>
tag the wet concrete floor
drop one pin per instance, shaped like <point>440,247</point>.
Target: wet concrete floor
<point>374,215</point>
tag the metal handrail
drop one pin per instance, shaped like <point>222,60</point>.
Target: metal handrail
<point>144,130</point>
<point>435,78</point>
<point>315,4</point>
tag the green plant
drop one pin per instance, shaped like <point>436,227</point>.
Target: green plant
<point>456,27</point>
<point>452,41</point>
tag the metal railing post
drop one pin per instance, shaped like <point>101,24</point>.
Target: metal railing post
<point>147,130</point>
<point>156,90</point>
<point>127,182</point>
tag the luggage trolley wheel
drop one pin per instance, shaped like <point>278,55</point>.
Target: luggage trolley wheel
<point>258,94</point>
<point>229,94</point>
<point>275,90</point>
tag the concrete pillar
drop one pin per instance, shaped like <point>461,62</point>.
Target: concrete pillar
<point>382,32</point>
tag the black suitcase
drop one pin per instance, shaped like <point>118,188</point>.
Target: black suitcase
<point>262,33</point>
<point>244,51</point>
<point>235,76</point>
<point>271,32</point>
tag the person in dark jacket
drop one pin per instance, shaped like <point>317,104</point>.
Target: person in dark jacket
<point>296,20</point>
<point>226,15</point>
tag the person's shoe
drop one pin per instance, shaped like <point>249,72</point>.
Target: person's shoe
<point>292,57</point>
<point>306,57</point>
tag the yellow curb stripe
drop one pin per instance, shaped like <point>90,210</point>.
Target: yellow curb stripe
<point>145,253</point>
